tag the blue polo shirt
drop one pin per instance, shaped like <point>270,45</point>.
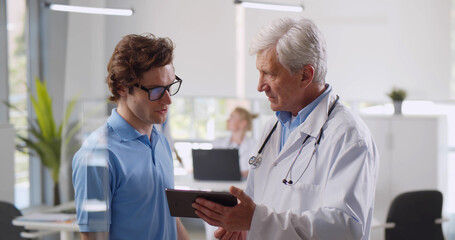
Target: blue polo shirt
<point>119,177</point>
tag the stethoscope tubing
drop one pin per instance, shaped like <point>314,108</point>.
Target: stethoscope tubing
<point>255,161</point>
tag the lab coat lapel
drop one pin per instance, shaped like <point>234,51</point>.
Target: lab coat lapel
<point>272,148</point>
<point>317,117</point>
<point>311,126</point>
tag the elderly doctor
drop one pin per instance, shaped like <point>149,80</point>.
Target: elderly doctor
<point>315,172</point>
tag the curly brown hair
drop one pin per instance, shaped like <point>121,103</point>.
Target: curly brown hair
<point>134,55</point>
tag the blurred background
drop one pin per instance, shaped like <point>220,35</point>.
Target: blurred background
<point>373,46</point>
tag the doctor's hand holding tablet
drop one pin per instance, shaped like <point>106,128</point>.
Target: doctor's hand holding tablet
<point>234,221</point>
<point>315,171</point>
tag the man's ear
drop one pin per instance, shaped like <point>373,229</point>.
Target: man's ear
<point>122,90</point>
<point>307,74</point>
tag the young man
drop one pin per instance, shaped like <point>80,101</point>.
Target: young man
<point>121,172</point>
<point>317,175</point>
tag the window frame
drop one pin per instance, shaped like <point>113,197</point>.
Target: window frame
<point>4,93</point>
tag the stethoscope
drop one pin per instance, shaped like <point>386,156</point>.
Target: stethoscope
<point>255,161</point>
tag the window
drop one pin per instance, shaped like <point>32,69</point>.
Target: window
<point>17,63</point>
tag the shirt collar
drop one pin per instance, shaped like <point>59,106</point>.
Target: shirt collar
<point>318,116</point>
<point>285,117</point>
<point>122,127</point>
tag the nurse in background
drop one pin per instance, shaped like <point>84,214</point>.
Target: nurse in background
<point>239,123</point>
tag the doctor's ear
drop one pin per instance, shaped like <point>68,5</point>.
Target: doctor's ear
<point>307,73</point>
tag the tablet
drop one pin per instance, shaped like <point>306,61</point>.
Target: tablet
<point>180,201</point>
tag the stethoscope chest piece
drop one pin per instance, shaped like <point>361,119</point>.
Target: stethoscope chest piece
<point>255,161</point>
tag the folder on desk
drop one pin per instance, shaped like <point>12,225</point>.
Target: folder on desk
<point>216,164</point>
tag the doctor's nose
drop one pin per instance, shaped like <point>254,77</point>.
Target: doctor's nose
<point>262,86</point>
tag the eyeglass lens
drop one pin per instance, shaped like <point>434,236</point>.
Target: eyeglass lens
<point>157,93</point>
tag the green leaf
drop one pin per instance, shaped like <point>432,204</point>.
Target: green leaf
<point>32,147</point>
<point>45,139</point>
<point>72,131</point>
<point>69,110</point>
<point>9,105</point>
<point>43,110</point>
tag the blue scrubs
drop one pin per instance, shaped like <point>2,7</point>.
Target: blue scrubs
<point>119,177</point>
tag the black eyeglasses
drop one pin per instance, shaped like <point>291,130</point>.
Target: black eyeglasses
<point>156,93</point>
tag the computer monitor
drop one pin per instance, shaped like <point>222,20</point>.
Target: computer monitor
<point>216,164</point>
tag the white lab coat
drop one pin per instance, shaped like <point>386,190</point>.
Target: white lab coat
<point>334,198</point>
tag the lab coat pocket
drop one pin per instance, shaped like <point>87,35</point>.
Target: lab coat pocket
<point>308,195</point>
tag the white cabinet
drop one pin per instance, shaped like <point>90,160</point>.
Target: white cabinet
<point>413,156</point>
<point>7,162</point>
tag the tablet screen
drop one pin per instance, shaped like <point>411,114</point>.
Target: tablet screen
<point>180,201</point>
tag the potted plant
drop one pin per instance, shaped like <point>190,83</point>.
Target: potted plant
<point>46,139</point>
<point>397,95</point>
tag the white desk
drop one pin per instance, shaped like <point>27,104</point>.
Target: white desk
<point>66,229</point>
<point>187,182</point>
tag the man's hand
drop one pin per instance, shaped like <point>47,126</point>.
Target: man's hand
<point>222,234</point>
<point>232,219</point>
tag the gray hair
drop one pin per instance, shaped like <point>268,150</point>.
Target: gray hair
<point>297,42</point>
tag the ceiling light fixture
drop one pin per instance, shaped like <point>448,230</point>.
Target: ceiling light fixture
<point>270,6</point>
<point>89,10</point>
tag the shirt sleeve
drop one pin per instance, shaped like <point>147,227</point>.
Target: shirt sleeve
<point>348,200</point>
<point>92,180</point>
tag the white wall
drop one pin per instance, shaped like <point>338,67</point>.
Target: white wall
<point>7,162</point>
<point>204,54</point>
<point>85,58</point>
<point>203,32</point>
<point>372,45</point>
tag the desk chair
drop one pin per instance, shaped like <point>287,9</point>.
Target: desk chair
<point>415,215</point>
<point>7,213</point>
<point>8,231</point>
